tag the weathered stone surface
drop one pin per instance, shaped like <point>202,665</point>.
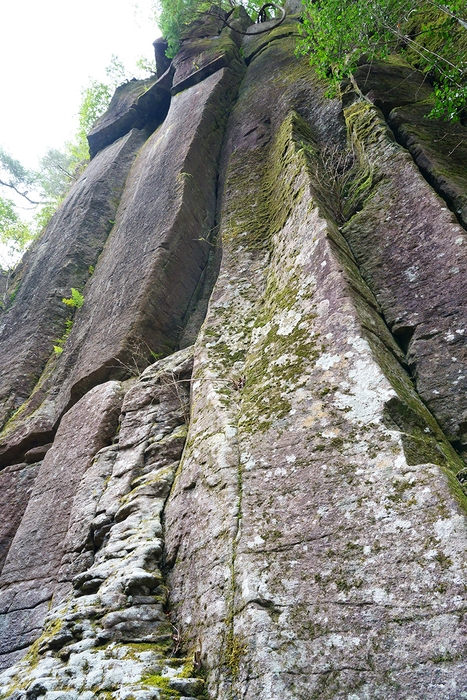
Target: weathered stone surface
<point>413,255</point>
<point>288,526</point>
<point>113,631</point>
<point>34,556</point>
<point>36,454</point>
<point>61,260</point>
<point>391,83</point>
<point>307,538</point>
<point>162,62</point>
<point>438,147</point>
<point>162,231</point>
<point>16,483</point>
<point>163,228</point>
<point>254,43</point>
<point>135,104</point>
<point>201,56</point>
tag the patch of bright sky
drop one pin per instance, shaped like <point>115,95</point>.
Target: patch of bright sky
<point>48,52</point>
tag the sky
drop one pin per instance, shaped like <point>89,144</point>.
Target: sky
<point>48,52</point>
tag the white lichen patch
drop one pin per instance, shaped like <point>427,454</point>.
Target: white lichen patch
<point>287,322</point>
<point>326,361</point>
<point>112,632</point>
<point>367,392</point>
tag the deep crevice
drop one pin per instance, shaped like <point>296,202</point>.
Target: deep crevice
<point>403,336</point>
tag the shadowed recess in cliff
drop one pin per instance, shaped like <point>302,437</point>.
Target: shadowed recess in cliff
<point>438,147</point>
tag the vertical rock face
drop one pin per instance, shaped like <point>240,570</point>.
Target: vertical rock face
<point>36,319</point>
<point>278,510</point>
<point>29,579</point>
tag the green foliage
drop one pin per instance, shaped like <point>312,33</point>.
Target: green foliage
<point>56,174</point>
<point>145,65</point>
<point>95,99</point>
<point>336,33</point>
<point>76,300</point>
<point>58,170</point>
<point>15,234</point>
<point>58,348</point>
<point>173,16</point>
<point>15,176</point>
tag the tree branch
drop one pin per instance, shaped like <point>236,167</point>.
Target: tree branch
<point>22,194</point>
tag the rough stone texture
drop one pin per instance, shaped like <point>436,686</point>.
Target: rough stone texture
<point>113,631</point>
<point>16,483</point>
<point>30,572</point>
<point>439,148</point>
<point>289,524</point>
<point>413,255</point>
<point>149,272</point>
<point>392,83</point>
<point>135,104</point>
<point>162,62</point>
<point>440,151</point>
<point>306,538</point>
<point>253,44</point>
<point>203,54</point>
<point>37,317</point>
<point>162,231</point>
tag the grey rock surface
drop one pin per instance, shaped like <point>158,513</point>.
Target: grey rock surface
<point>31,327</point>
<point>16,483</point>
<point>29,577</point>
<point>412,253</point>
<point>112,630</point>
<point>283,525</point>
<point>278,511</point>
<point>153,263</point>
<point>135,105</point>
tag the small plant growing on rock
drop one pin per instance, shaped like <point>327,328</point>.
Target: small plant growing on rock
<point>58,348</point>
<point>76,300</point>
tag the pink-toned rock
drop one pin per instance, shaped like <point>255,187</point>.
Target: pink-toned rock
<point>16,483</point>
<point>61,259</point>
<point>36,551</point>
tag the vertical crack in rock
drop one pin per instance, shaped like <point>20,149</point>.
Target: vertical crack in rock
<point>302,536</point>
<point>414,270</point>
<point>30,575</point>
<point>438,147</point>
<point>348,492</point>
<point>113,632</point>
<point>162,229</point>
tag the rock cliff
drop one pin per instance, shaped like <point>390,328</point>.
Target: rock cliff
<point>237,471</point>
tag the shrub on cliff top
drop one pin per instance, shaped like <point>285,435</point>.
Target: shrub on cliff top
<point>433,37</point>
<point>173,16</point>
